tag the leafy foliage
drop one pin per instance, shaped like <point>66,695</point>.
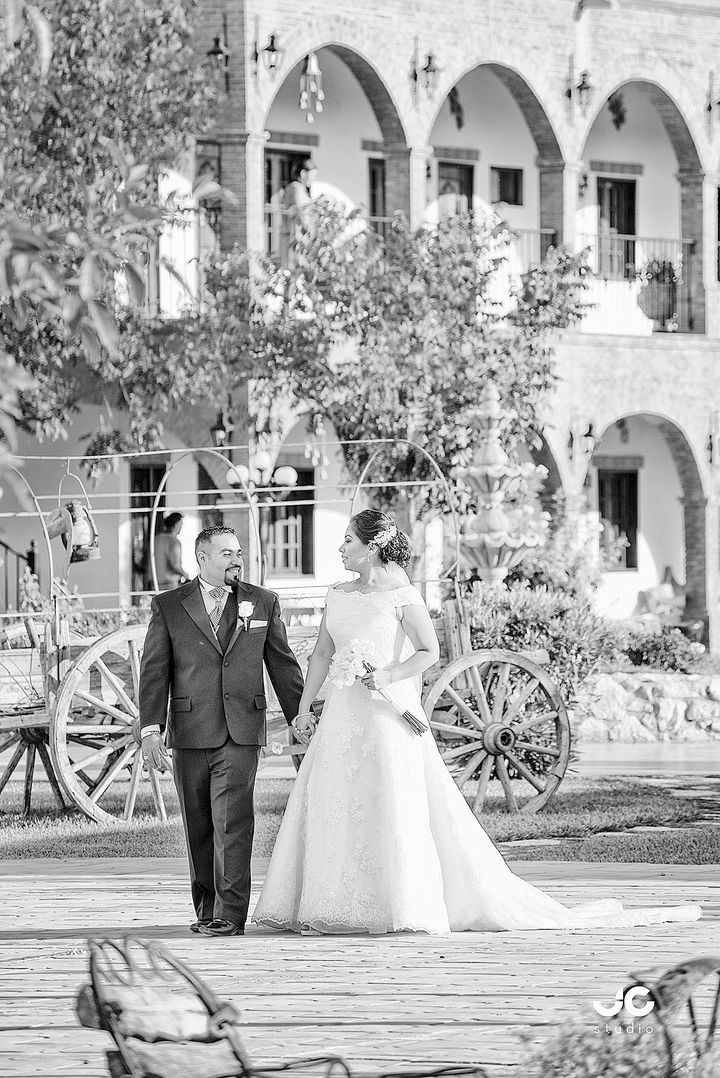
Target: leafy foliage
<point>567,626</point>
<point>430,316</point>
<point>664,648</point>
<point>85,92</point>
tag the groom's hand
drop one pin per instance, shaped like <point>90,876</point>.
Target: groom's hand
<point>155,753</point>
<point>304,727</point>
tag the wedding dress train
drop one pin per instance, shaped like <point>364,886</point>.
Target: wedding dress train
<point>378,838</point>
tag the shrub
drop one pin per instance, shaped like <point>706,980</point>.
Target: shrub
<point>588,1051</point>
<point>566,625</point>
<point>666,648</point>
<point>631,1049</point>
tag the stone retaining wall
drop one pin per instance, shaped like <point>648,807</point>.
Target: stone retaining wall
<point>648,705</point>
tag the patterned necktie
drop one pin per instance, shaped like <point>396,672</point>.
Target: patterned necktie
<point>217,611</point>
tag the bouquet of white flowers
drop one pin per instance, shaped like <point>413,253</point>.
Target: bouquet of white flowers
<point>353,662</point>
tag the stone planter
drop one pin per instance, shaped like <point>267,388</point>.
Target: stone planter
<point>648,705</point>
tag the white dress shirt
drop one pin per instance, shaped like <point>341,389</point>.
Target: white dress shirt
<point>209,600</point>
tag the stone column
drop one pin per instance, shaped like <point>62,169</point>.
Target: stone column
<point>559,197</point>
<point>712,584</point>
<point>242,165</point>
<point>697,214</point>
<point>406,180</point>
<point>695,524</point>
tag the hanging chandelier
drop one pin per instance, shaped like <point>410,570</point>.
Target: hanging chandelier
<point>311,92</point>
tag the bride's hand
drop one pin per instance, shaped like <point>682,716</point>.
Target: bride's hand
<point>377,679</point>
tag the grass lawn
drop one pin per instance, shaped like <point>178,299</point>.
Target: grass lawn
<point>580,811</point>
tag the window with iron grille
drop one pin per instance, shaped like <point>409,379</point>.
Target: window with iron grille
<point>290,547</point>
<point>506,185</point>
<point>618,505</point>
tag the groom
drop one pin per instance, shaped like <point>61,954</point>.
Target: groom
<point>204,652</point>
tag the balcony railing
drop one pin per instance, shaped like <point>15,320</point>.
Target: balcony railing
<point>652,276</point>
<point>528,246</point>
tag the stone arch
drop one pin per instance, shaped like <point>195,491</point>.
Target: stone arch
<point>523,75</point>
<point>669,94</point>
<point>693,501</point>
<point>351,43</point>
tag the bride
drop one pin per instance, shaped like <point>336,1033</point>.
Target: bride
<point>376,836</point>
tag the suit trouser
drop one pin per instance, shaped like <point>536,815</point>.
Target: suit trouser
<point>215,788</point>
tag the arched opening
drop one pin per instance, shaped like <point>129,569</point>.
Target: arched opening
<point>640,214</point>
<point>355,140</point>
<point>494,149</point>
<point>646,489</point>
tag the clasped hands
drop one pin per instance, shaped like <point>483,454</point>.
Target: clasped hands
<point>304,724</point>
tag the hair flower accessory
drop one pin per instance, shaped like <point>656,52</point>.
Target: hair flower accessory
<point>386,535</point>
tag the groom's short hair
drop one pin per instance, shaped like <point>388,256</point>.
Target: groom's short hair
<point>206,536</point>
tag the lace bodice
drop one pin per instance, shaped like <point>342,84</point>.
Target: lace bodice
<point>374,618</point>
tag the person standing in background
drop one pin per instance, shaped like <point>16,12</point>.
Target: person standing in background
<point>168,554</point>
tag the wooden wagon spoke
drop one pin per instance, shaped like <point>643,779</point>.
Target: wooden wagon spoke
<point>133,788</point>
<point>524,771</point>
<point>544,750</point>
<point>116,768</point>
<point>535,720</point>
<point>29,772</point>
<point>100,705</point>
<point>520,700</point>
<point>100,754</point>
<point>480,697</point>
<point>75,729</point>
<point>135,667</point>
<point>52,777</point>
<point>14,761</point>
<point>466,710</point>
<point>8,741</point>
<point>500,692</point>
<point>460,750</point>
<point>470,768</point>
<point>118,686</point>
<point>483,782</point>
<point>157,794</point>
<point>502,774</point>
<point>457,731</point>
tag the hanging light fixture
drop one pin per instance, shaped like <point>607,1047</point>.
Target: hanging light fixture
<point>311,92</point>
<point>429,75</point>
<point>272,55</point>
<point>220,53</point>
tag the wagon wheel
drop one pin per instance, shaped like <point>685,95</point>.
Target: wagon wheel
<point>496,713</point>
<point>95,729</point>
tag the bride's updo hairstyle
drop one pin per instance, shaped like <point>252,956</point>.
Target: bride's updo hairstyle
<point>380,531</point>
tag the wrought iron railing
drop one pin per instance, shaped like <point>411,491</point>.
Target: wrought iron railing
<point>530,245</point>
<point>12,566</point>
<point>660,270</point>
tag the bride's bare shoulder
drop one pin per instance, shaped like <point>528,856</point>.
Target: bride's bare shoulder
<point>344,585</point>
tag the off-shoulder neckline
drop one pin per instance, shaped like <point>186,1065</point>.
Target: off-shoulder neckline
<point>356,591</point>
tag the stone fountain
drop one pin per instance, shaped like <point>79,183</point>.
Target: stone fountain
<point>495,538</point>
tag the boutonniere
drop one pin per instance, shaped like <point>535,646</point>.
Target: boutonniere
<point>245,612</point>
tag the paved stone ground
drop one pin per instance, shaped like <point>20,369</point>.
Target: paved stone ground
<point>381,1002</point>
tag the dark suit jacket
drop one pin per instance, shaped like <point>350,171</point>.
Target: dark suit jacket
<point>211,693</point>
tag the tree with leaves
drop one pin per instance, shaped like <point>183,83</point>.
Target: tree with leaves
<point>95,98</point>
<point>432,315</point>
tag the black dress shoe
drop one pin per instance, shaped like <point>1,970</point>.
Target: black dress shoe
<point>195,926</point>
<point>220,927</point>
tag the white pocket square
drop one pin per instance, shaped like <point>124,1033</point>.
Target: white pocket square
<point>256,624</point>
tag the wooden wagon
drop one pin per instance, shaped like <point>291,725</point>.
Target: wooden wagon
<point>72,704</point>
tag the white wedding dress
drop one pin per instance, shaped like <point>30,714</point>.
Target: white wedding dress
<point>377,837</point>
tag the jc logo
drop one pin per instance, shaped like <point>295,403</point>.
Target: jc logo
<point>628,1002</point>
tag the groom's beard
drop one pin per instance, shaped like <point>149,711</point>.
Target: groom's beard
<point>233,576</point>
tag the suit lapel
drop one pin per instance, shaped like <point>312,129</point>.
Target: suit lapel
<point>196,609</point>
<point>241,593</point>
